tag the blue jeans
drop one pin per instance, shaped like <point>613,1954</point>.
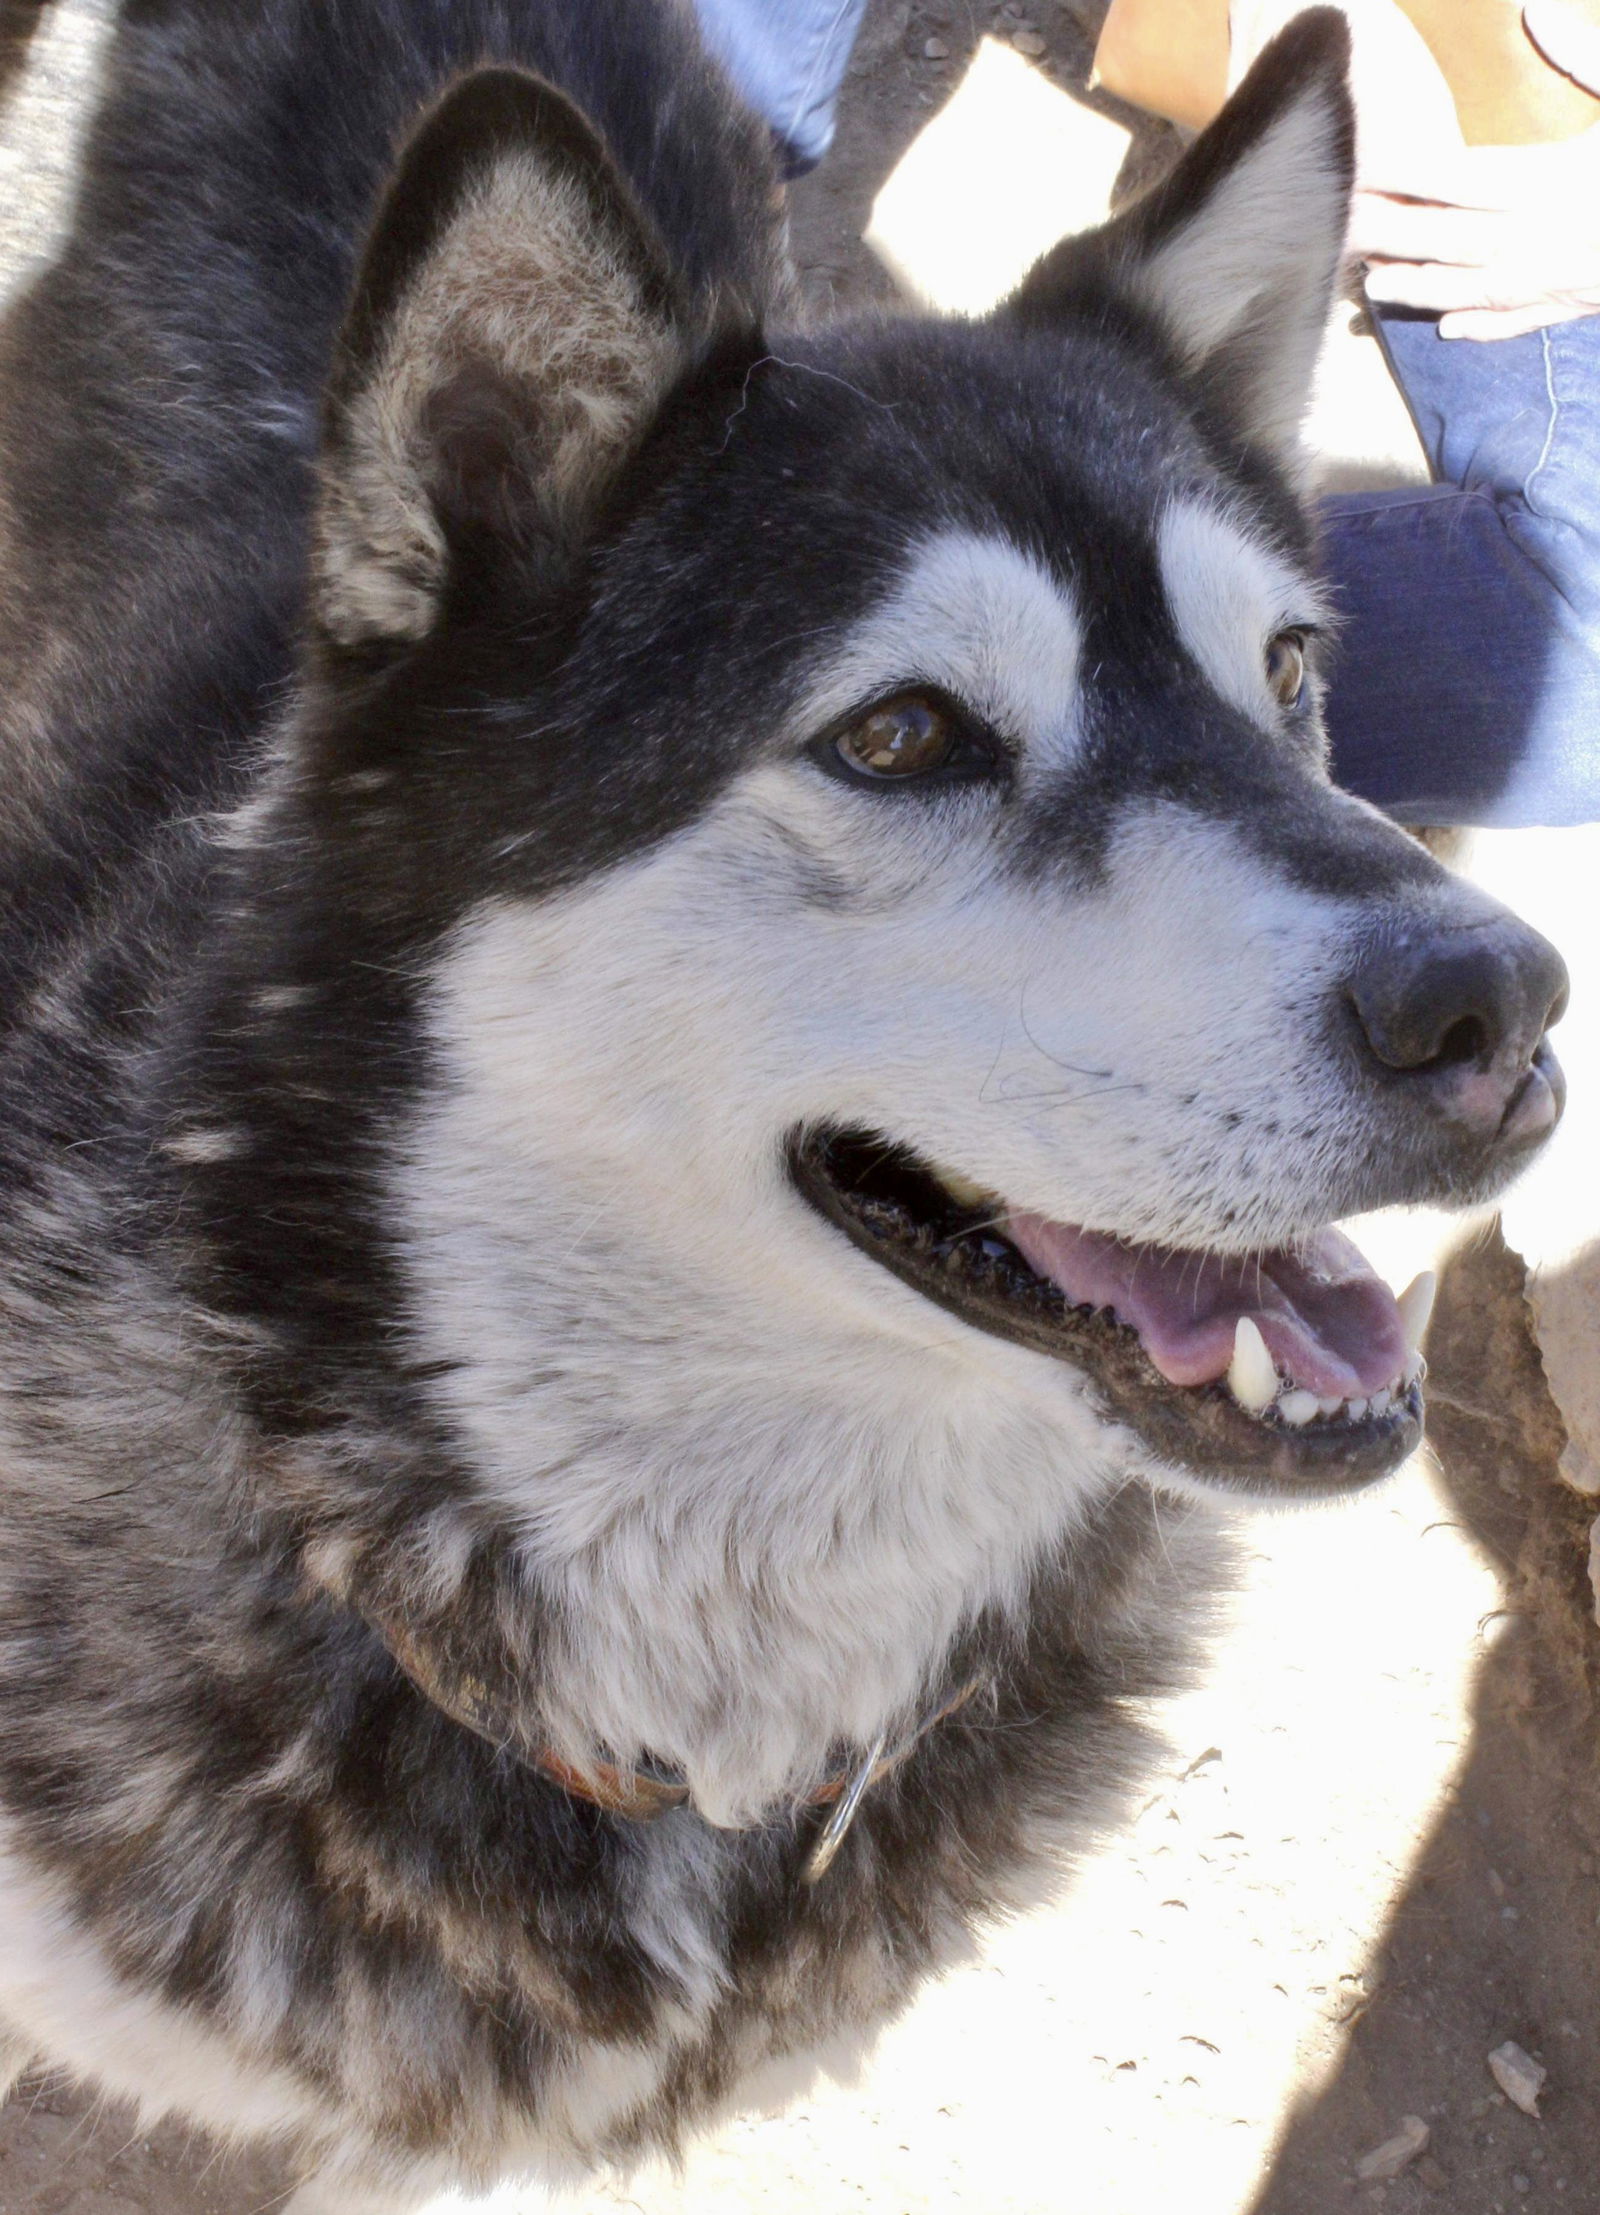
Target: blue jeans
<point>1467,687</point>
<point>788,58</point>
<point>1467,683</point>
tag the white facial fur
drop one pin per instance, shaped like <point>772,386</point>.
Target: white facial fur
<point>983,620</point>
<point>761,1482</point>
<point>1230,596</point>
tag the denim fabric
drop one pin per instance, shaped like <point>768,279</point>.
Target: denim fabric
<point>788,58</point>
<point>1467,686</point>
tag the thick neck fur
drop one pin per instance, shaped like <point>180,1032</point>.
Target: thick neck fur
<point>642,1444</point>
<point>757,1488</point>
<point>751,1539</point>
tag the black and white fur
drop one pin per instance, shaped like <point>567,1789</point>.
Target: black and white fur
<point>403,1028</point>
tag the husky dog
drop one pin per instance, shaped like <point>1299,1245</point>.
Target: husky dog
<point>685,1005</point>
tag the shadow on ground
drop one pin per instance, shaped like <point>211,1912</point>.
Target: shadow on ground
<point>1496,1936</point>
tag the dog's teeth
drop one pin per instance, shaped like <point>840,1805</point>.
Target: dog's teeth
<point>1329,1407</point>
<point>1379,1402</point>
<point>1415,1369</point>
<point>1298,1407</point>
<point>1356,1409</point>
<point>1252,1379</point>
<point>1416,1305</point>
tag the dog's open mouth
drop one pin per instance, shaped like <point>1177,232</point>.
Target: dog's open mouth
<point>1287,1370</point>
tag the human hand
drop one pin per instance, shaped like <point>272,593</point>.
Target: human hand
<point>1497,240</point>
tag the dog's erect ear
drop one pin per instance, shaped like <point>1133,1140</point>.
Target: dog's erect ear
<point>515,322</point>
<point>1237,253</point>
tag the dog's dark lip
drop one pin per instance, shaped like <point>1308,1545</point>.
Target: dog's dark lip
<point>899,1214</point>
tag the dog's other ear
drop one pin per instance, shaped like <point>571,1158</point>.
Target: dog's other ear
<point>516,320</point>
<point>1237,253</point>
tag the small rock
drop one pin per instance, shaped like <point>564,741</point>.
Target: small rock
<point>1028,42</point>
<point>1518,2075</point>
<point>936,49</point>
<point>1395,2153</point>
<point>1521,2183</point>
<point>1430,2175</point>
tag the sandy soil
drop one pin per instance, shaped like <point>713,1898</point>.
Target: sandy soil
<point>1374,1853</point>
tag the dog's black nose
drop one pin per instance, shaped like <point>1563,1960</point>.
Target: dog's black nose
<point>1463,1009</point>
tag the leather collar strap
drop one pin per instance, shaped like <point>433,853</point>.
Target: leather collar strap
<point>643,1793</point>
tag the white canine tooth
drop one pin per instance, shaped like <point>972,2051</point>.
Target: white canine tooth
<point>1356,1410</point>
<point>1416,1305</point>
<point>1379,1402</point>
<point>1415,1368</point>
<point>1297,1407</point>
<point>1252,1379</point>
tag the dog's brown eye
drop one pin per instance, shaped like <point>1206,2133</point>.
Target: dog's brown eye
<point>1286,668</point>
<point>903,738</point>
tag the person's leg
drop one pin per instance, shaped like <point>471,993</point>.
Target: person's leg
<point>1518,419</point>
<point>1467,687</point>
<point>788,58</point>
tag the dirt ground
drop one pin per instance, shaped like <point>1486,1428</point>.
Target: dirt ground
<point>1374,1854</point>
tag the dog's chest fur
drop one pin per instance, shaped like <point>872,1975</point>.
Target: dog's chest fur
<point>248,1870</point>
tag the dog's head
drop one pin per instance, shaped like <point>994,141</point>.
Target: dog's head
<point>840,827</point>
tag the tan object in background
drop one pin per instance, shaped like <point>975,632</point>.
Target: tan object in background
<point>1505,92</point>
<point>1171,57</point>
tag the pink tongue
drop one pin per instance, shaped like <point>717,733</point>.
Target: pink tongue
<point>1329,1322</point>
